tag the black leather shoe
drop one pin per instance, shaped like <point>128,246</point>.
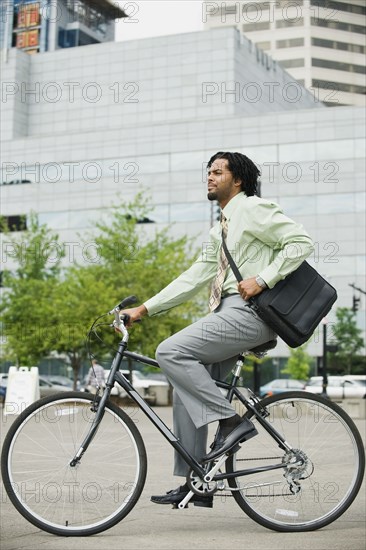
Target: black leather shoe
<point>176,495</point>
<point>242,432</point>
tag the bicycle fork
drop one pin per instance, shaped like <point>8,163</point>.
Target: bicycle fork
<point>98,407</point>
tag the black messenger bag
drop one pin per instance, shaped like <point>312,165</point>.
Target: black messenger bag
<point>294,307</point>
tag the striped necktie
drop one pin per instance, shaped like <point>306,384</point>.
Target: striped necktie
<point>216,289</point>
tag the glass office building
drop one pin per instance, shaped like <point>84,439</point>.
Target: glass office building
<point>47,25</point>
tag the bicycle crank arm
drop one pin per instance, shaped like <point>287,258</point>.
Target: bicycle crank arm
<point>211,474</point>
<point>183,503</point>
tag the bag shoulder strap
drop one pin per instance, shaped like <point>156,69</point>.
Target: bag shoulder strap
<point>233,265</point>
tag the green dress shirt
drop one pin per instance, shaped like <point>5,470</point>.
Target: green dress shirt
<point>262,241</point>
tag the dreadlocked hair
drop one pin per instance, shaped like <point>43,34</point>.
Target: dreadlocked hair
<point>242,168</point>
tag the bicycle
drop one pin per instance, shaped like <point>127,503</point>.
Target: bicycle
<point>74,464</point>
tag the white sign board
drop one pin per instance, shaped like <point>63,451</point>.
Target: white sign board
<point>22,389</point>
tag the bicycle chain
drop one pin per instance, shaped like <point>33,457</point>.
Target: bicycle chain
<point>245,460</point>
<point>262,458</point>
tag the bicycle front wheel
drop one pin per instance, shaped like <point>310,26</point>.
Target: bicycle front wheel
<point>316,480</point>
<point>73,501</point>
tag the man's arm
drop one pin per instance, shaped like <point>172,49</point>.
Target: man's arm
<point>188,284</point>
<point>290,241</point>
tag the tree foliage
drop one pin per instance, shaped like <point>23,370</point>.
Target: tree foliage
<point>48,309</point>
<point>348,338</point>
<point>298,364</point>
<point>141,262</point>
<point>27,303</point>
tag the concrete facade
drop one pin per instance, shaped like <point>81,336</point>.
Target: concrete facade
<point>320,43</point>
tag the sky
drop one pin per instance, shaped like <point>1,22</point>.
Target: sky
<point>157,18</point>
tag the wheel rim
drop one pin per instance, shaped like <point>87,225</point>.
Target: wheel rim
<point>93,493</point>
<point>324,482</point>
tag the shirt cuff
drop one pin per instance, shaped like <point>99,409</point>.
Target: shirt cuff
<point>270,276</point>
<point>152,307</point>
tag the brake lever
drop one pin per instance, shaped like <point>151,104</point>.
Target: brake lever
<point>122,319</point>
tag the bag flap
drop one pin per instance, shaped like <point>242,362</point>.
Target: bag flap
<point>296,286</point>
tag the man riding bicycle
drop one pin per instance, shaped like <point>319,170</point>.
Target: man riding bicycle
<point>266,246</point>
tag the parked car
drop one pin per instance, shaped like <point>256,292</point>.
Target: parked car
<point>339,387</point>
<point>280,385</point>
<point>2,393</point>
<point>143,384</point>
<point>45,387</point>
<point>61,380</point>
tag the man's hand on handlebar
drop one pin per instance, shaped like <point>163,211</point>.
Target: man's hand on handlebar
<point>134,314</point>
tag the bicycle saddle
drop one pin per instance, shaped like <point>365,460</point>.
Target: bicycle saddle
<point>262,348</point>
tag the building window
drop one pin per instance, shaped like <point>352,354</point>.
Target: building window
<point>322,43</point>
<point>14,182</point>
<point>85,39</point>
<point>13,223</point>
<point>291,63</point>
<point>341,6</point>
<point>290,43</point>
<point>89,14</point>
<point>338,66</point>
<point>260,26</point>
<point>263,45</point>
<point>282,23</point>
<point>288,3</point>
<point>339,86</point>
<point>339,25</point>
<point>67,39</point>
<point>74,37</point>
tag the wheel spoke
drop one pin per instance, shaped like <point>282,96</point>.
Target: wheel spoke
<point>88,498</point>
<point>322,474</point>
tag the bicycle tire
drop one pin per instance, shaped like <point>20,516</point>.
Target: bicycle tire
<point>330,446</point>
<point>73,501</point>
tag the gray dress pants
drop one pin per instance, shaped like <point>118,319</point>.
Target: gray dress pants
<point>191,358</point>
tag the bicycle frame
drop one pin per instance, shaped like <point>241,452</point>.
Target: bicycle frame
<point>116,376</point>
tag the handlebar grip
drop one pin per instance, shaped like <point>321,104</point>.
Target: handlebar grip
<point>127,302</point>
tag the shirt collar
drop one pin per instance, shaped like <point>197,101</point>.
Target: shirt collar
<point>229,209</point>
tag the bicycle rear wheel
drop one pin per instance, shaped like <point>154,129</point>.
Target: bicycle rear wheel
<point>318,480</point>
<point>73,501</point>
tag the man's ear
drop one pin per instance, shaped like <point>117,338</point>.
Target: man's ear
<point>237,183</point>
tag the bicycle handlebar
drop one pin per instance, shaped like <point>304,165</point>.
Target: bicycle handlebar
<point>120,321</point>
<point>126,302</point>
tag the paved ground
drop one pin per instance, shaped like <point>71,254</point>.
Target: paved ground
<point>150,527</point>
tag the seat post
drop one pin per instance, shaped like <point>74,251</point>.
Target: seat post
<point>257,351</point>
<point>235,376</point>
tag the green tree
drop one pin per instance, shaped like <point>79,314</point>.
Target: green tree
<point>138,259</point>
<point>124,260</point>
<point>80,297</point>
<point>26,311</point>
<point>48,309</point>
<point>348,338</point>
<point>298,364</point>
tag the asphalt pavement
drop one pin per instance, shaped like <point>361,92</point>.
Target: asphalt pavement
<point>152,527</point>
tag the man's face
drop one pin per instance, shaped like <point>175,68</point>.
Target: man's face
<point>221,185</point>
